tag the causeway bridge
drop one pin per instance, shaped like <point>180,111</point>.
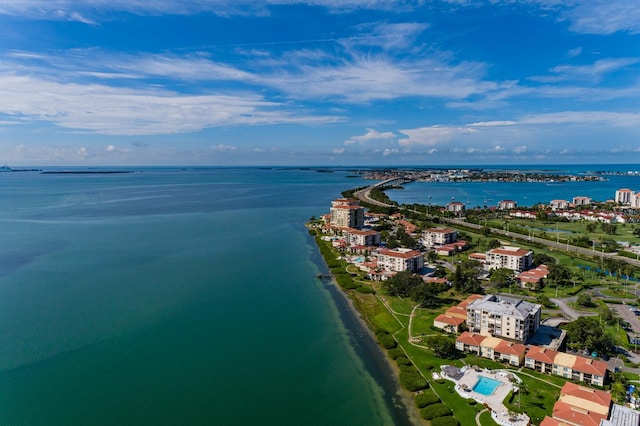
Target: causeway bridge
<point>363,194</point>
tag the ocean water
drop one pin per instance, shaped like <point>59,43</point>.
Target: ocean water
<point>171,296</point>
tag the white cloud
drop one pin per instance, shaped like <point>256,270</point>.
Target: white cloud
<point>433,135</point>
<point>389,35</point>
<point>520,149</point>
<point>224,148</point>
<point>121,111</point>
<point>371,135</point>
<point>591,72</point>
<point>390,151</point>
<point>338,151</point>
<point>492,123</point>
<point>604,16</point>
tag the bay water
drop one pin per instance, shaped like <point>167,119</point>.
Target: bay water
<point>178,296</point>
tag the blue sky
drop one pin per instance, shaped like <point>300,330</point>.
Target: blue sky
<point>321,82</point>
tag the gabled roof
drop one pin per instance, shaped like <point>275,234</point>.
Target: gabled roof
<point>457,311</point>
<point>549,421</point>
<point>590,366</point>
<point>448,319</point>
<point>594,400</point>
<point>471,339</point>
<point>541,354</point>
<point>511,348</point>
<point>576,416</point>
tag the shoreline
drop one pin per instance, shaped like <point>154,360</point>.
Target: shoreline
<point>399,401</point>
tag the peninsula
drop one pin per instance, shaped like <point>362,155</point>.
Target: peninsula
<point>424,278</point>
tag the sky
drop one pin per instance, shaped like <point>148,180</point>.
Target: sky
<point>319,82</point>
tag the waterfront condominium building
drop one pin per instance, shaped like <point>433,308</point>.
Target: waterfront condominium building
<point>623,196</point>
<point>581,201</point>
<point>635,200</point>
<point>400,259</point>
<point>347,213</point>
<point>558,204</point>
<point>361,237</point>
<point>439,236</point>
<point>514,258</point>
<point>502,316</point>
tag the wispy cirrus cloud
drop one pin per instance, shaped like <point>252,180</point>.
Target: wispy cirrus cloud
<point>72,10</point>
<point>123,111</point>
<point>592,72</point>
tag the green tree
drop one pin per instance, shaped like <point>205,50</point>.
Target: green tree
<point>426,294</point>
<point>543,259</point>
<point>502,277</point>
<point>585,300</point>
<point>401,284</point>
<point>559,274</point>
<point>591,227</point>
<point>442,346</point>
<point>587,333</point>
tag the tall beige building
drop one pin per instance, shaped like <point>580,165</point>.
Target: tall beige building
<point>514,258</point>
<point>347,213</point>
<point>501,316</point>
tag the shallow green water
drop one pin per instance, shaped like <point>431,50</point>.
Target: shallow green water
<point>175,297</point>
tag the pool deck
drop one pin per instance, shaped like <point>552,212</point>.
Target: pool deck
<point>500,413</point>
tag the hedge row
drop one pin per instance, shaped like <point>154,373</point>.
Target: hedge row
<point>426,398</point>
<point>411,379</point>
<point>444,421</point>
<point>435,410</point>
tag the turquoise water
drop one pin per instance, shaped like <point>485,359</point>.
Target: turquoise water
<point>178,297</point>
<point>485,385</point>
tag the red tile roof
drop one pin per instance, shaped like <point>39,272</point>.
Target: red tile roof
<point>448,319</point>
<point>403,255</point>
<point>541,354</point>
<point>576,416</point>
<point>471,339</point>
<point>510,348</point>
<point>590,366</point>
<point>594,396</point>
<point>457,311</point>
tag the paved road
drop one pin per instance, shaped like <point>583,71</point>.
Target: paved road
<point>568,311</point>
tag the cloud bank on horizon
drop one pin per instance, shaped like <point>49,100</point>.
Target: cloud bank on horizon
<point>331,82</point>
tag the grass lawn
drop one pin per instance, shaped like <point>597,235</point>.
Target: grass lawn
<point>617,292</point>
<point>423,320</point>
<point>486,420</point>
<point>536,399</point>
<point>400,305</point>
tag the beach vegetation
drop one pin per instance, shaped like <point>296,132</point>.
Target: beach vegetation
<point>426,398</point>
<point>435,410</point>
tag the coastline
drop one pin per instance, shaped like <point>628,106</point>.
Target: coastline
<point>385,372</point>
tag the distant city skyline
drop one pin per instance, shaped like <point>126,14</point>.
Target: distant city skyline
<point>319,82</point>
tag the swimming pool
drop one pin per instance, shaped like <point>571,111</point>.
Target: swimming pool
<point>485,385</point>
